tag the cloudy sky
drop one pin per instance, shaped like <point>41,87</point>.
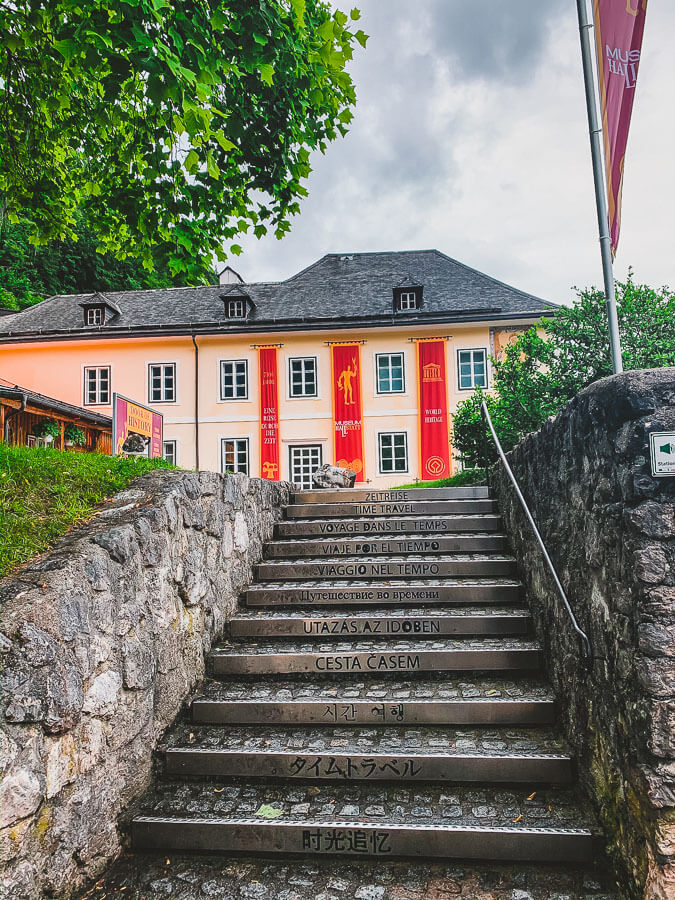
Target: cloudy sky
<point>470,136</point>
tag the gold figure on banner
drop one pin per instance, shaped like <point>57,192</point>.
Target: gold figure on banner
<point>635,12</point>
<point>345,382</point>
<point>269,470</point>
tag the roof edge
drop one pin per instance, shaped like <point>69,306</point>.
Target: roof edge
<point>225,327</point>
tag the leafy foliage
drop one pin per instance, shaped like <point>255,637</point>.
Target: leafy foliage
<point>543,369</point>
<point>75,434</point>
<point>43,492</point>
<point>28,274</point>
<point>469,438</point>
<point>463,478</point>
<point>172,124</point>
<point>47,427</point>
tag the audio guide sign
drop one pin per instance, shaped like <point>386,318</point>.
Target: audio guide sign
<point>662,453</point>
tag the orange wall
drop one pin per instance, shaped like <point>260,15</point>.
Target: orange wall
<point>57,369</point>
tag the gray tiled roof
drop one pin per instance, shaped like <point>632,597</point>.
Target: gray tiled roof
<point>339,289</point>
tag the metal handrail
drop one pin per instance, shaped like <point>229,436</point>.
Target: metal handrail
<point>586,649</point>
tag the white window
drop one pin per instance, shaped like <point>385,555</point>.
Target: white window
<point>162,383</point>
<point>390,378</point>
<point>408,300</point>
<point>305,461</point>
<point>302,377</point>
<point>236,309</point>
<point>471,369</point>
<point>393,452</point>
<point>234,456</point>
<point>234,379</point>
<point>94,315</point>
<point>169,451</point>
<point>97,385</point>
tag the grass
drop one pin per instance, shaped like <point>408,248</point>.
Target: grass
<point>43,492</point>
<point>462,479</point>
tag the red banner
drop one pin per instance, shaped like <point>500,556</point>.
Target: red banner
<point>347,408</point>
<point>434,439</point>
<point>619,26</point>
<point>269,414</point>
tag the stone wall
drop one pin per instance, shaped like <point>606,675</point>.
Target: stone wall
<point>610,528</point>
<point>103,639</point>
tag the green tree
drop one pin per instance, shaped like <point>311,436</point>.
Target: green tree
<point>546,366</point>
<point>28,274</point>
<point>171,124</point>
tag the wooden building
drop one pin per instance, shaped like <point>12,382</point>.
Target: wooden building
<point>21,410</point>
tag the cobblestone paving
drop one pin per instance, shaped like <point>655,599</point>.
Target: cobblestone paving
<point>262,648</point>
<point>439,520</point>
<point>177,877</point>
<point>389,612</point>
<point>368,740</point>
<point>395,688</point>
<point>398,558</point>
<point>456,805</point>
<point>409,584</point>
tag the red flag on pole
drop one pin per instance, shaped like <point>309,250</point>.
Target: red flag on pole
<point>269,414</point>
<point>619,26</point>
<point>432,394</point>
<point>347,408</point>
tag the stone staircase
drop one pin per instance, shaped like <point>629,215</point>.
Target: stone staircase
<point>380,695</point>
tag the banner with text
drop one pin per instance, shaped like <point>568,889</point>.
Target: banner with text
<point>137,429</point>
<point>433,410</point>
<point>619,26</point>
<point>269,414</point>
<point>347,408</point>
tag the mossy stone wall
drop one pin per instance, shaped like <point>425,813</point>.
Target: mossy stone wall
<point>610,528</point>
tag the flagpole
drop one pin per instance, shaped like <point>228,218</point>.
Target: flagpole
<point>595,131</point>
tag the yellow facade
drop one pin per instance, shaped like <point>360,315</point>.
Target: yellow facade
<point>57,368</point>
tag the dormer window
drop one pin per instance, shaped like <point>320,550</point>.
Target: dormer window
<point>408,295</point>
<point>94,315</point>
<point>236,309</point>
<point>237,303</point>
<point>99,310</point>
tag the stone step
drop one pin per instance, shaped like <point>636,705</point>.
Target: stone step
<point>386,546</point>
<point>411,566</point>
<point>395,592</point>
<point>450,700</point>
<point>389,527</point>
<point>394,495</point>
<point>383,623</point>
<point>384,754</point>
<point>140,876</point>
<point>403,508</point>
<point>360,820</point>
<point>373,657</point>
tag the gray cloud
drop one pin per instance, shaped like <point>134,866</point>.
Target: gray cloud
<point>493,39</point>
<point>470,136</point>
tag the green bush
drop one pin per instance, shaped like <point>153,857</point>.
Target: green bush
<point>540,372</point>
